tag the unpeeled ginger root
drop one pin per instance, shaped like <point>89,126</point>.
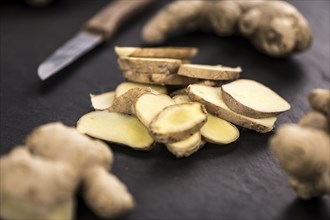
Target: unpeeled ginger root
<point>56,159</point>
<point>303,149</point>
<point>276,28</point>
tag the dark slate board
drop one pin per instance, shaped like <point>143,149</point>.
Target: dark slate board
<point>238,181</point>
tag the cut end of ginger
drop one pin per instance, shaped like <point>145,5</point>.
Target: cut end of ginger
<point>116,127</point>
<point>178,122</point>
<point>253,99</point>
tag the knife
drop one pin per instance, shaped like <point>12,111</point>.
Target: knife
<point>99,28</point>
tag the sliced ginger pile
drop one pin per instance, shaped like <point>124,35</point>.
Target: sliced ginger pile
<point>303,149</point>
<point>140,111</point>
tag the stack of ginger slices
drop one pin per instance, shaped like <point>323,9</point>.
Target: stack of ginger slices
<point>141,111</point>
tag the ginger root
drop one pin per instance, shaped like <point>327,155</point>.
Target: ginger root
<point>303,150</point>
<point>276,28</point>
<point>38,181</point>
<point>35,188</point>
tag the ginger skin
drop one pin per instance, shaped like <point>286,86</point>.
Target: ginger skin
<point>85,155</point>
<point>35,188</point>
<point>303,150</point>
<point>275,28</point>
<point>39,180</point>
<point>304,154</point>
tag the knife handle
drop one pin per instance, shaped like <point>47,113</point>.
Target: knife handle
<point>109,19</point>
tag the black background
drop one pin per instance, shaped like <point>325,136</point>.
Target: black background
<point>238,181</point>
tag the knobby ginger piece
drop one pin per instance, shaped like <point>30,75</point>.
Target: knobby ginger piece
<point>125,86</point>
<point>35,188</point>
<point>219,131</point>
<point>102,101</point>
<point>116,127</point>
<point>216,72</point>
<point>319,100</point>
<point>315,120</point>
<point>149,65</point>
<point>106,193</point>
<point>187,146</point>
<point>211,98</point>
<point>123,104</point>
<point>252,99</point>
<point>178,122</point>
<point>147,106</point>
<point>56,141</point>
<point>303,152</point>
<point>183,53</point>
<point>84,155</point>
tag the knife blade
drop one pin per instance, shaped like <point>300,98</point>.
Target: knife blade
<point>99,28</point>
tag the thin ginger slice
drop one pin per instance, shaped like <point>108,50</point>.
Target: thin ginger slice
<point>149,65</point>
<point>116,127</point>
<point>102,101</point>
<point>187,146</point>
<point>253,99</point>
<point>211,97</point>
<point>125,86</point>
<point>183,53</point>
<point>147,106</point>
<point>219,131</point>
<point>123,103</point>
<point>211,72</point>
<point>178,122</point>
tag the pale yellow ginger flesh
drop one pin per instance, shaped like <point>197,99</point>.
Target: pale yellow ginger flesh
<point>215,72</point>
<point>106,193</point>
<point>149,65</point>
<point>125,86</point>
<point>187,146</point>
<point>219,131</point>
<point>35,188</point>
<point>253,99</point>
<point>303,153</point>
<point>124,103</point>
<point>102,101</point>
<point>211,97</point>
<point>178,99</point>
<point>178,122</point>
<point>183,53</point>
<point>148,106</point>
<point>116,127</point>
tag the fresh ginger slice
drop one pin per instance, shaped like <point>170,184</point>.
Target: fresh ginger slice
<point>178,122</point>
<point>123,104</point>
<point>102,101</point>
<point>211,97</point>
<point>148,105</point>
<point>252,99</point>
<point>186,147</point>
<point>178,99</point>
<point>158,78</point>
<point>219,131</point>
<point>149,65</point>
<point>125,86</point>
<point>116,127</point>
<point>216,72</point>
<point>184,53</point>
